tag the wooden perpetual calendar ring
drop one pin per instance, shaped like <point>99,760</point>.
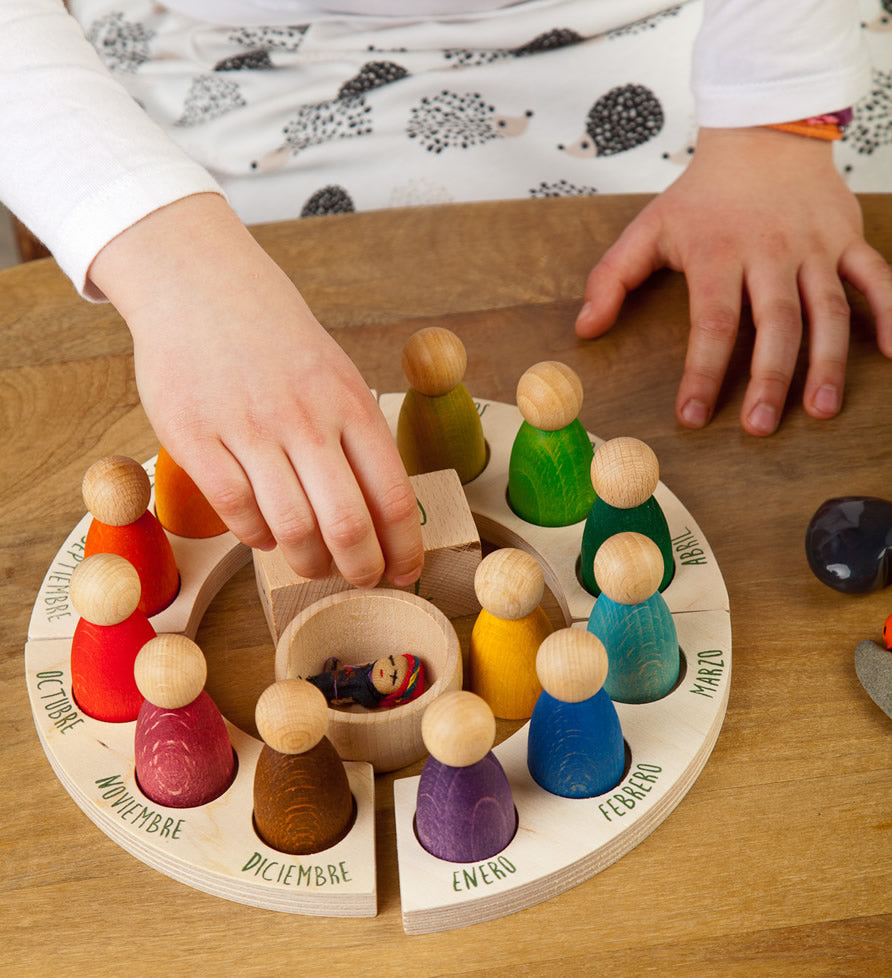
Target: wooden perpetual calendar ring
<point>559,842</point>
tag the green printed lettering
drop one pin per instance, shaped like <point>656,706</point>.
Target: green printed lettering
<point>252,862</point>
<point>496,870</point>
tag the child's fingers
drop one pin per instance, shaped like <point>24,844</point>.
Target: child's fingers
<point>258,495</point>
<point>633,257</point>
<point>714,288</point>
<point>871,275</point>
<point>777,316</point>
<point>344,520</point>
<point>828,316</point>
<point>391,500</point>
<point>226,487</point>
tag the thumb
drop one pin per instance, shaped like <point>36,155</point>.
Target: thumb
<point>628,262</point>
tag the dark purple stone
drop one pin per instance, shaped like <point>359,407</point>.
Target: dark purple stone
<point>848,543</point>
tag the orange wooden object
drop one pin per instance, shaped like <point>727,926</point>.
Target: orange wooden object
<point>102,658</point>
<point>180,505</point>
<point>146,546</point>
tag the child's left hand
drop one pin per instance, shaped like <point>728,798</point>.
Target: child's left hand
<point>765,213</point>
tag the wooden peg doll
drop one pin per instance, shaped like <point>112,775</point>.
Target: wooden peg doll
<point>302,798</point>
<point>464,809</point>
<point>116,491</point>
<point>386,682</point>
<point>439,425</point>
<point>182,753</point>
<point>633,621</point>
<point>508,632</point>
<point>111,631</point>
<point>575,745</point>
<point>624,474</point>
<point>549,472</point>
<point>180,506</point>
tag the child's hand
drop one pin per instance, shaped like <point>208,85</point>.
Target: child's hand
<point>762,212</point>
<point>255,400</point>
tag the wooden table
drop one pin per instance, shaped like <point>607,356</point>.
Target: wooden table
<point>778,861</point>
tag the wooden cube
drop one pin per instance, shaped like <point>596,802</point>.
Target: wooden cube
<point>451,554</point>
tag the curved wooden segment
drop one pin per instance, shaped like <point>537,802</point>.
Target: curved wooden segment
<point>696,586</point>
<point>213,848</point>
<point>204,567</point>
<point>561,841</point>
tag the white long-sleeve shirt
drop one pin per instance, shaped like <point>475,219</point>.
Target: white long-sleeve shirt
<point>80,161</point>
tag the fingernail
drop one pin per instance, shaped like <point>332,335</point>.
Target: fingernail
<point>763,419</point>
<point>694,413</point>
<point>826,400</point>
<point>404,580</point>
<point>584,312</point>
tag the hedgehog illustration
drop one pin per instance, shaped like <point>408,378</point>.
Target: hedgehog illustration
<point>269,38</point>
<point>623,118</point>
<point>316,123</point>
<point>871,125</point>
<point>209,97</point>
<point>462,120</point>
<point>346,116</point>
<point>559,37</point>
<point>249,61</point>
<point>371,75</point>
<point>122,44</point>
<point>332,199</point>
<point>882,22</point>
<point>682,155</point>
<point>561,188</point>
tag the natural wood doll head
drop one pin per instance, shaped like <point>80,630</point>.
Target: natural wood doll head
<point>625,472</point>
<point>549,395</point>
<point>116,490</point>
<point>434,361</point>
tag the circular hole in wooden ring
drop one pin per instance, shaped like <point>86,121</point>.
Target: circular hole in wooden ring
<point>220,794</point>
<point>485,859</point>
<point>358,627</point>
<point>300,851</point>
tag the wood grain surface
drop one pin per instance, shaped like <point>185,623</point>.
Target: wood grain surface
<point>777,862</point>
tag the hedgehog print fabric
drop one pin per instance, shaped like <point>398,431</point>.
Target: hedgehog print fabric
<point>545,98</point>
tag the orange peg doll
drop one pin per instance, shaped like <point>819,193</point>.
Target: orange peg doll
<point>116,491</point>
<point>180,506</point>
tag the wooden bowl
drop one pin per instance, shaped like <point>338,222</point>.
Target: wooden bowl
<point>358,627</point>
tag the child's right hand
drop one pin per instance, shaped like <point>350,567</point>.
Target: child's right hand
<point>251,396</point>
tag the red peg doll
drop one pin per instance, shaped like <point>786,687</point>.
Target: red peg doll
<point>111,631</point>
<point>116,491</point>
